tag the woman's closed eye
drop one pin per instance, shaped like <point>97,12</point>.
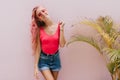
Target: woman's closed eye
<point>43,11</point>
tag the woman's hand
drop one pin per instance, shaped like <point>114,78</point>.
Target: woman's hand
<point>61,25</point>
<point>36,71</point>
<point>62,38</point>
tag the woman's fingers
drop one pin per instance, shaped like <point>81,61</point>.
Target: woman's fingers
<point>36,72</point>
<point>61,23</point>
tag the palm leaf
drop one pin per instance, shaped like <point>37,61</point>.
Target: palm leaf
<point>113,34</point>
<point>93,24</point>
<point>111,67</point>
<point>105,23</point>
<point>88,40</point>
<point>108,23</point>
<point>117,64</point>
<point>113,54</point>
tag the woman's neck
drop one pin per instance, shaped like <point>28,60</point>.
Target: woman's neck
<point>49,23</point>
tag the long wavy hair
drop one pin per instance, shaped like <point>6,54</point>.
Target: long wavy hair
<point>35,30</point>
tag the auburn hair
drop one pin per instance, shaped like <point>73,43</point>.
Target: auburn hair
<point>35,32</point>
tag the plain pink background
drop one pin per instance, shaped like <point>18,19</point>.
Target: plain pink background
<point>80,61</point>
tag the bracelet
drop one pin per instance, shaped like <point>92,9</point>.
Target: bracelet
<point>61,29</point>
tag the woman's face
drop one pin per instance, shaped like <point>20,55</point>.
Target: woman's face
<point>42,14</point>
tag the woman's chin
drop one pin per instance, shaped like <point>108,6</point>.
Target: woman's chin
<point>48,18</point>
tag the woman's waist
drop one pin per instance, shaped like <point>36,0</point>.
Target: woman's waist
<point>49,54</point>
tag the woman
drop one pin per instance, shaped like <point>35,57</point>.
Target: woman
<point>47,36</point>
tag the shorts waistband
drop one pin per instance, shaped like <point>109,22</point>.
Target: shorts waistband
<point>49,54</point>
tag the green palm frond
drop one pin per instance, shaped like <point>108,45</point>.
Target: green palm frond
<point>111,67</point>
<point>114,35</point>
<point>108,23</point>
<point>117,64</point>
<point>108,42</point>
<point>113,54</point>
<point>88,40</point>
<point>92,24</point>
<point>99,29</point>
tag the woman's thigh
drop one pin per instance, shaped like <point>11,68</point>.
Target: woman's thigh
<point>47,74</point>
<point>55,74</point>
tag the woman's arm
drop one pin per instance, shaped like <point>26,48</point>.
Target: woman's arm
<point>37,51</point>
<point>36,57</point>
<point>62,37</point>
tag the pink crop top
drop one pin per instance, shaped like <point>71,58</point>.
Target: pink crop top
<point>49,43</point>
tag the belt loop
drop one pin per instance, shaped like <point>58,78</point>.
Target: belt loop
<point>47,55</point>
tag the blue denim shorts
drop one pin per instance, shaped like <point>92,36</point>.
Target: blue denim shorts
<point>51,62</point>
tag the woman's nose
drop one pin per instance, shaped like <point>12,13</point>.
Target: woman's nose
<point>46,12</point>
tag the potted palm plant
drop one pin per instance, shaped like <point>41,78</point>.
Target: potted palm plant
<point>108,43</point>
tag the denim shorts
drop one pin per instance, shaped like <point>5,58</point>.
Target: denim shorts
<point>51,62</point>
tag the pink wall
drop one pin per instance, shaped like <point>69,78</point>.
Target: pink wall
<point>80,61</point>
